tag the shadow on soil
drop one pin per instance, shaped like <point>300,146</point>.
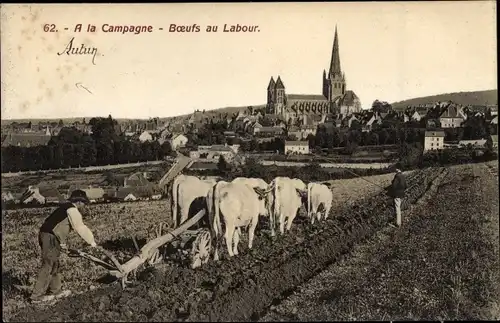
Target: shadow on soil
<point>123,244</point>
<point>10,282</point>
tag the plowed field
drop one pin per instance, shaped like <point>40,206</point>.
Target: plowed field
<point>241,288</point>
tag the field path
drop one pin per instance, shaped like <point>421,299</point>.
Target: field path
<point>443,264</point>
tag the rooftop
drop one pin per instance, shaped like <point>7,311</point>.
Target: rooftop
<point>296,143</point>
<point>300,97</point>
<point>26,139</point>
<point>434,134</point>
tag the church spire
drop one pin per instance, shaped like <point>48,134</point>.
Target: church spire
<point>271,84</point>
<point>335,62</point>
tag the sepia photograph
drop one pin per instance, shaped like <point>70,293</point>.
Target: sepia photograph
<point>265,162</point>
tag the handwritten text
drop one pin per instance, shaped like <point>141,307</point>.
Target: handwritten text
<point>70,49</point>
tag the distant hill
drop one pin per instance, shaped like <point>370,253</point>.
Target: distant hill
<point>464,98</point>
<point>208,113</point>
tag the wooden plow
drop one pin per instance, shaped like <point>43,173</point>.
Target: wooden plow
<point>199,239</point>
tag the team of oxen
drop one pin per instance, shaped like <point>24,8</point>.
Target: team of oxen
<point>239,204</point>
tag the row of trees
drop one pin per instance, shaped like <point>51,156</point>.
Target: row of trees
<point>72,148</point>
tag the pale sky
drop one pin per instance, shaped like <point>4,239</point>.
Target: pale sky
<point>388,51</point>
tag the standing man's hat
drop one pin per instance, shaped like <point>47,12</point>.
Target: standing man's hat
<point>78,196</point>
<point>397,166</point>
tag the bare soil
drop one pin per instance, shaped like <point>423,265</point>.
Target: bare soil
<point>241,288</point>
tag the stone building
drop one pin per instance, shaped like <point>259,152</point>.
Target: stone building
<point>335,98</point>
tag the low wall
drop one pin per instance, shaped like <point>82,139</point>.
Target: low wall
<point>83,169</point>
<point>328,165</point>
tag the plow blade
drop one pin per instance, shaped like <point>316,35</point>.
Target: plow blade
<point>79,253</point>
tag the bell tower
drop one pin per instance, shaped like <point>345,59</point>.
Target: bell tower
<point>334,85</point>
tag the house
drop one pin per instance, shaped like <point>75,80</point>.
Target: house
<point>32,195</point>
<point>178,141</point>
<point>122,193</point>
<point>432,123</point>
<point>229,134</point>
<point>145,136</point>
<point>418,115</point>
<point>369,120</point>
<point>216,151</point>
<point>95,194</point>
<point>164,136</point>
<point>451,118</point>
<point>474,143</point>
<point>203,166</point>
<point>350,120</point>
<point>296,147</point>
<point>494,141</point>
<point>130,197</point>
<point>493,110</point>
<point>255,128</point>
<point>295,131</point>
<point>51,195</point>
<point>434,140</point>
<point>26,139</point>
<point>307,130</point>
<point>268,131</point>
<point>136,179</point>
<point>7,196</point>
<point>302,132</point>
<point>478,110</point>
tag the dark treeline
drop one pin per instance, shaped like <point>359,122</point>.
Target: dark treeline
<point>72,148</point>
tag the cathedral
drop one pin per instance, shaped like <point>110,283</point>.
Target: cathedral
<point>333,100</point>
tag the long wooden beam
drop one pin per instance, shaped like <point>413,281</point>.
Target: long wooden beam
<point>150,248</point>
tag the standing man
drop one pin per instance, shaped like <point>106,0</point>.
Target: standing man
<point>52,239</point>
<point>397,190</point>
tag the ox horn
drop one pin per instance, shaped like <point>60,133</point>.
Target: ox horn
<point>259,191</point>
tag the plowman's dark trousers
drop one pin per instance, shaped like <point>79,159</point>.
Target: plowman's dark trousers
<point>48,276</point>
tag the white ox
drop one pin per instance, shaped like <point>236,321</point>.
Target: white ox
<point>319,200</point>
<point>185,191</point>
<point>240,206</point>
<point>289,195</point>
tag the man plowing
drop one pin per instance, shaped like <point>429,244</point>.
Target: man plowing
<point>52,239</point>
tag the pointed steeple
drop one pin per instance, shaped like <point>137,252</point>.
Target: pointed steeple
<point>279,83</point>
<point>271,84</point>
<point>335,62</point>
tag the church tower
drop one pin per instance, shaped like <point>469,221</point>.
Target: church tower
<point>280,97</point>
<point>271,97</point>
<point>334,84</point>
